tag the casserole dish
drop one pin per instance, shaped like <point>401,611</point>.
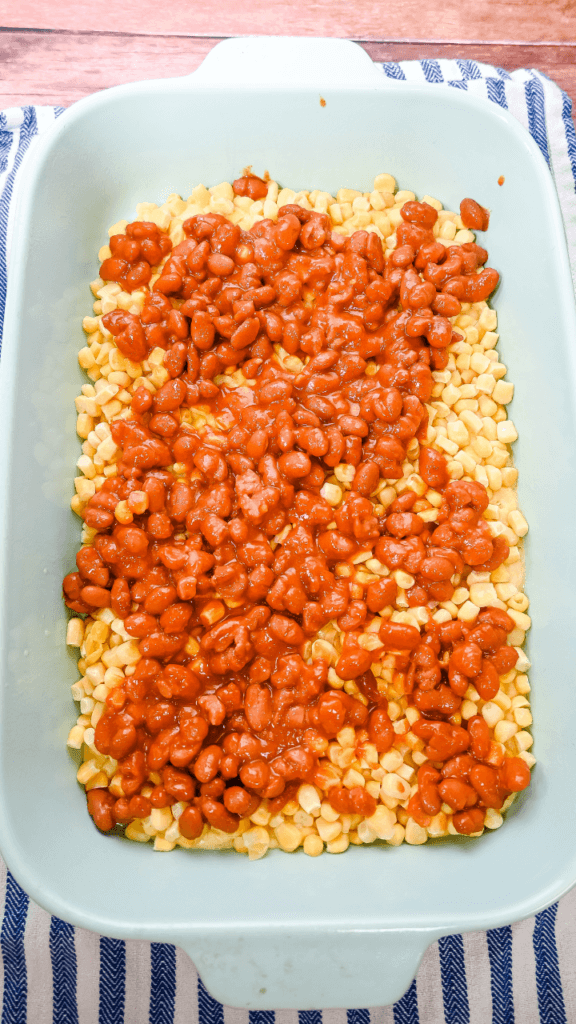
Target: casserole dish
<point>289,931</point>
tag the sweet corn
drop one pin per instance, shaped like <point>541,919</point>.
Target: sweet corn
<point>289,836</point>
<point>492,714</point>
<point>313,845</point>
<point>415,835</point>
<point>160,818</point>
<point>395,787</point>
<point>75,632</point>
<point>308,799</point>
<point>338,845</point>
<point>504,731</point>
<point>382,822</point>
<point>328,830</point>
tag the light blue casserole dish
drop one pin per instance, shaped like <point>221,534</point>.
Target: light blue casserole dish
<point>288,931</point>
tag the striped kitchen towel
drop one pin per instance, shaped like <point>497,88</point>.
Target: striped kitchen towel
<point>520,974</point>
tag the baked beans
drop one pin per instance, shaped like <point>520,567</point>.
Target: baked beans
<point>243,535</point>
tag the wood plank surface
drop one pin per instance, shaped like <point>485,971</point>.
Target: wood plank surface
<point>450,20</point>
<point>61,67</point>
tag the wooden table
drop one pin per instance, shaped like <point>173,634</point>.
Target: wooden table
<point>56,52</point>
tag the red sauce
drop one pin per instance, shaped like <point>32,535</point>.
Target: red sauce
<point>247,717</point>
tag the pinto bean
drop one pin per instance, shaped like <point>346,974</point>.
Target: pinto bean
<point>96,597</point>
<point>422,214</point>
<point>287,630</point>
<point>457,794</point>
<point>255,774</point>
<point>353,663</point>
<point>100,808</point>
<point>436,568</point>
<point>473,215</point>
<point>352,425</point>
<point>140,624</point>
<point>366,478</point>
<point>336,545</point>
<point>294,465</point>
<point>216,815</point>
<point>433,467</point>
<point>258,706</point>
<point>469,821</point>
<point>380,730</point>
<point>207,763</point>
<point>404,524</point>
<point>514,775</point>
<point>170,396</point>
<point>381,594</point>
<point>190,823</point>
<point>399,637</point>
<point>161,645</point>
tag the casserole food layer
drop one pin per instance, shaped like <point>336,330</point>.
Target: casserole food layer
<point>284,931</point>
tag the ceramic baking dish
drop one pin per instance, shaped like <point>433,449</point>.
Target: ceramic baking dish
<point>287,931</point>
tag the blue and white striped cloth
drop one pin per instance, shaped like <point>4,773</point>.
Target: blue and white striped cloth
<point>52,973</point>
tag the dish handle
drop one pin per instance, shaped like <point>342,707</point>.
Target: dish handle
<point>317,969</point>
<point>281,61</point>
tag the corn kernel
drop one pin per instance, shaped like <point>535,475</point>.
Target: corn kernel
<point>289,836</point>
<point>338,845</point>
<point>492,714</point>
<point>395,787</point>
<point>328,830</point>
<point>382,822</point>
<point>313,845</point>
<point>415,835</point>
<point>504,731</point>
